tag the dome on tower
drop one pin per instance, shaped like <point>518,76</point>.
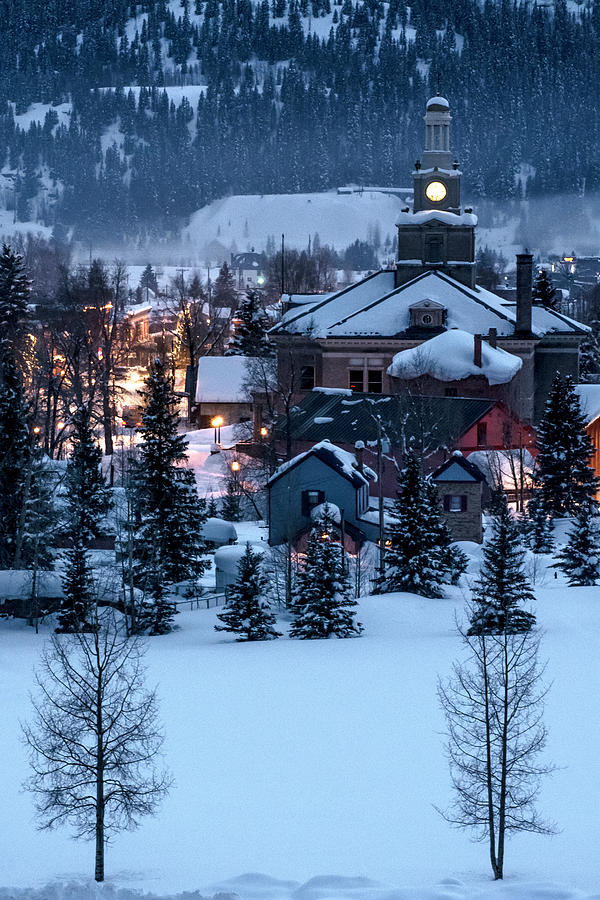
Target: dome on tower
<point>438,104</point>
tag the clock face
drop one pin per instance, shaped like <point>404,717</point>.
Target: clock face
<point>436,191</point>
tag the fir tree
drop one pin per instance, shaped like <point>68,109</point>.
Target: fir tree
<point>212,511</point>
<point>15,459</point>
<point>537,527</point>
<point>246,613</point>
<point>589,354</point>
<point>502,587</point>
<point>563,474</point>
<point>323,606</point>
<point>231,501</point>
<point>15,289</point>
<point>169,513</point>
<point>88,501</point>
<point>580,557</point>
<point>224,293</point>
<point>419,556</point>
<point>543,292</point>
<point>251,331</point>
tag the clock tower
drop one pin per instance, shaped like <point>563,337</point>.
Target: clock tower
<point>427,241</point>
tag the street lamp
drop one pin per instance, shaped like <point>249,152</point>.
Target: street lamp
<point>216,422</point>
<point>264,431</point>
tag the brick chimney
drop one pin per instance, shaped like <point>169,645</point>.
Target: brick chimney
<point>524,284</point>
<point>477,350</point>
<point>359,448</point>
<point>493,337</point>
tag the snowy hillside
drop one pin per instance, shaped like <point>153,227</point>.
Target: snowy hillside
<point>318,763</point>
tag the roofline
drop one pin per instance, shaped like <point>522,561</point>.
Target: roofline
<point>300,457</point>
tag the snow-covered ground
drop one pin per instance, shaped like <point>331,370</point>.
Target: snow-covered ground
<point>318,763</point>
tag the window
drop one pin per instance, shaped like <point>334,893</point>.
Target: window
<point>427,319</point>
<point>355,379</point>
<point>481,434</point>
<point>455,503</point>
<point>451,392</point>
<point>310,499</point>
<point>375,381</point>
<point>307,378</point>
<point>434,249</point>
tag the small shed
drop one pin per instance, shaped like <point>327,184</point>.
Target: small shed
<point>221,390</point>
<point>218,533</point>
<point>460,485</point>
<point>227,560</point>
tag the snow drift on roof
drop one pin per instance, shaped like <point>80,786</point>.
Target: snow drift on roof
<point>449,357</point>
<point>221,379</point>
<point>436,215</point>
<point>589,397</point>
<point>343,460</point>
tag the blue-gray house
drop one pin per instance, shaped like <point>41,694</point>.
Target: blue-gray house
<point>323,474</point>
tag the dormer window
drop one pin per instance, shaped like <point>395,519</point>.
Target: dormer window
<point>427,314</point>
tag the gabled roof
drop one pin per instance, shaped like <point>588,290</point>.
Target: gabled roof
<point>342,461</point>
<point>221,379</point>
<point>347,418</point>
<point>374,307</point>
<point>459,469</point>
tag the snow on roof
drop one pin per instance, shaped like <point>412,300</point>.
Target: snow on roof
<point>221,379</point>
<point>589,397</point>
<point>449,357</point>
<point>217,530</point>
<point>342,460</point>
<point>16,584</point>
<point>438,101</point>
<point>436,215</point>
<point>227,559</point>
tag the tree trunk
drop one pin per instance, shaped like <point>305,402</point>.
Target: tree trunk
<point>99,872</point>
<point>488,761</point>
<point>503,776</point>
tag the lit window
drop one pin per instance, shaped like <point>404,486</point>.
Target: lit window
<point>455,503</point>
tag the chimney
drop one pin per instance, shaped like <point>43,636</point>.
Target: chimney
<point>493,337</point>
<point>524,284</point>
<point>477,350</point>
<point>360,449</point>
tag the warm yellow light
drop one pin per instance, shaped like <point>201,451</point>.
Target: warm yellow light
<point>134,376</point>
<point>60,425</point>
<point>436,191</point>
<point>235,466</point>
<point>567,259</point>
<point>36,430</point>
<point>217,421</point>
<point>264,431</point>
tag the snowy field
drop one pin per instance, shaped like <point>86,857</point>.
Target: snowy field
<point>318,764</point>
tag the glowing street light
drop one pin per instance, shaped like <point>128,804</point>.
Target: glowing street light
<point>36,429</point>
<point>216,422</point>
<point>235,466</point>
<point>264,431</point>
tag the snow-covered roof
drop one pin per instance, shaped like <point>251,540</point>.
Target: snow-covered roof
<point>436,215</point>
<point>375,307</point>
<point>221,379</point>
<point>449,357</point>
<point>438,101</point>
<point>342,461</point>
<point>16,584</point>
<point>458,469</point>
<point>218,530</point>
<point>227,559</point>
<point>589,397</point>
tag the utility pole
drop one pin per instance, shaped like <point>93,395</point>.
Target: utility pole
<point>282,265</point>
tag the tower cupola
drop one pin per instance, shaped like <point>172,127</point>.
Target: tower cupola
<point>437,134</point>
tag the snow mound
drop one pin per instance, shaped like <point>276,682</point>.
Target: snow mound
<point>589,397</point>
<point>227,558</point>
<point>326,511</point>
<point>449,357</point>
<point>218,530</point>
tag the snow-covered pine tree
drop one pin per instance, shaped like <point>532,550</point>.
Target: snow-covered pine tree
<point>15,289</point>
<point>418,557</point>
<point>502,588</point>
<point>563,473</point>
<point>323,606</point>
<point>580,557</point>
<point>15,458</point>
<point>251,333</point>
<point>231,500</point>
<point>543,292</point>
<point>537,527</point>
<point>247,614</point>
<point>168,546</point>
<point>589,354</point>
<point>88,501</point>
<point>212,510</point>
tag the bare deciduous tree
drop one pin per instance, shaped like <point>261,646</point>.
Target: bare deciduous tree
<point>493,706</point>
<point>94,741</point>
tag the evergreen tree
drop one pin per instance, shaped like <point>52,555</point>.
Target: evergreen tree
<point>589,354</point>
<point>419,556</point>
<point>231,501</point>
<point>246,613</point>
<point>323,606</point>
<point>169,513</point>
<point>88,501</point>
<point>537,527</point>
<point>212,510</point>
<point>502,587</point>
<point>543,292</point>
<point>563,474</point>
<point>15,288</point>
<point>580,557</point>
<point>15,459</point>
<point>251,331</point>
<point>224,293</point>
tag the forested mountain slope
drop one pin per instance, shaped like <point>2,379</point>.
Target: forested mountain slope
<point>234,96</point>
